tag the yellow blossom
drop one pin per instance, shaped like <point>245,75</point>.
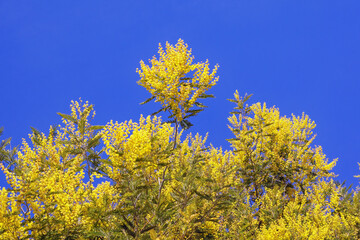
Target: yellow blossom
<point>174,80</point>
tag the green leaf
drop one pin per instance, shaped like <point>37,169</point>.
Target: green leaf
<point>142,159</point>
<point>93,156</point>
<point>170,121</point>
<point>206,96</point>
<point>232,100</point>
<point>185,78</point>
<point>232,139</point>
<point>37,135</point>
<point>5,142</point>
<point>82,126</point>
<point>163,164</point>
<point>107,162</point>
<point>66,142</point>
<point>250,131</point>
<point>246,97</point>
<point>75,151</point>
<point>68,117</point>
<point>161,110</point>
<point>185,124</point>
<point>268,124</point>
<point>35,131</point>
<point>235,112</point>
<point>147,100</point>
<point>199,105</point>
<point>96,127</point>
<point>94,141</point>
<point>193,113</point>
<point>205,196</point>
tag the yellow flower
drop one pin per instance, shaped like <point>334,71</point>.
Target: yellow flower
<point>174,80</point>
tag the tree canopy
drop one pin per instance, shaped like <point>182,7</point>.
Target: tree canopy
<point>148,179</point>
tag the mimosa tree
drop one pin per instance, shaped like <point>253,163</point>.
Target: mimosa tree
<point>149,179</point>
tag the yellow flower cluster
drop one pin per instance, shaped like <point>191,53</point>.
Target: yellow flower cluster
<point>174,80</point>
<point>10,217</point>
<point>279,145</point>
<point>301,220</point>
<point>131,145</point>
<point>48,185</point>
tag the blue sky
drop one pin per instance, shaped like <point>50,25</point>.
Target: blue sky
<point>302,56</point>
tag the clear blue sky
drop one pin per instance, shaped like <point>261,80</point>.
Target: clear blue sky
<point>302,56</point>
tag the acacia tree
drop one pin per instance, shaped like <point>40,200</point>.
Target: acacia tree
<point>146,180</point>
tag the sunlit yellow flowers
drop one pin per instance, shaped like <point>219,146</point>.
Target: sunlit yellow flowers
<point>145,180</point>
<point>174,80</point>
